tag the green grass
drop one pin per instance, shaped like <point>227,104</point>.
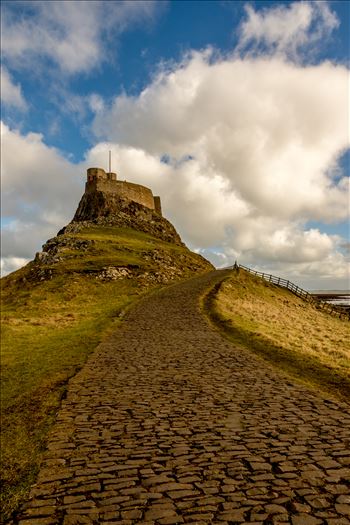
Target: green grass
<point>44,342</point>
<point>48,330</point>
<point>307,343</point>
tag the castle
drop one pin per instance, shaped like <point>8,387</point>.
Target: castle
<point>99,180</point>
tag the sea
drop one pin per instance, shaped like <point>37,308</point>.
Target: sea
<point>336,297</point>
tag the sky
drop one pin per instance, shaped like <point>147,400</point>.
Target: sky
<point>235,113</point>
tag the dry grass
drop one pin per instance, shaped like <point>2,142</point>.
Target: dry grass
<point>306,342</point>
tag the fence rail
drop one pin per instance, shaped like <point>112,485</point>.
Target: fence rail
<point>338,311</point>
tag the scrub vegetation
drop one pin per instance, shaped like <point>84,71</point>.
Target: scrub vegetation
<point>50,326</point>
<point>294,335</point>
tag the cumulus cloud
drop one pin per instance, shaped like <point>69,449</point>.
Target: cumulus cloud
<point>40,190</point>
<point>271,143</point>
<point>70,34</point>
<point>11,93</point>
<point>286,29</point>
<point>10,264</point>
<point>34,174</point>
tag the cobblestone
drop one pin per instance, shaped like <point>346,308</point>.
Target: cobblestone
<point>168,422</point>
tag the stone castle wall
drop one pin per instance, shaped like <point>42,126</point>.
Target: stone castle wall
<point>157,205</point>
<point>98,180</point>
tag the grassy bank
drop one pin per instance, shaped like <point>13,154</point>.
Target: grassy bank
<point>307,343</point>
<point>49,328</point>
<point>44,342</point>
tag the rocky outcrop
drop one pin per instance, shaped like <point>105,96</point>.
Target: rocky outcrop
<point>54,249</point>
<point>112,210</point>
<point>164,266</point>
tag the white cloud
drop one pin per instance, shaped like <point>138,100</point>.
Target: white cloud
<point>270,142</point>
<point>40,191</point>
<point>11,94</point>
<point>286,29</point>
<point>96,102</point>
<point>331,272</point>
<point>34,176</point>
<point>10,264</point>
<point>71,34</point>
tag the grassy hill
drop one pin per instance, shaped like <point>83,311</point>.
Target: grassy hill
<point>309,344</point>
<point>55,311</point>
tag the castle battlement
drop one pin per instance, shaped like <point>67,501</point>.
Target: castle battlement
<point>99,180</point>
<point>94,174</point>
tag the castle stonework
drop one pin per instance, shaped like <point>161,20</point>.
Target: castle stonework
<point>99,180</point>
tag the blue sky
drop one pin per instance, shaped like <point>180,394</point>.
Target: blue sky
<point>249,102</point>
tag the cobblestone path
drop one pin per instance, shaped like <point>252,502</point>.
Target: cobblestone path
<point>170,423</point>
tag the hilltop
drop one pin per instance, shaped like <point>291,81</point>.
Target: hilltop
<point>91,243</point>
<point>60,306</point>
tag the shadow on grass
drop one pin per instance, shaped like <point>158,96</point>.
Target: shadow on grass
<point>304,368</point>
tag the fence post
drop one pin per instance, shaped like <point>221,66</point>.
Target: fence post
<point>308,297</point>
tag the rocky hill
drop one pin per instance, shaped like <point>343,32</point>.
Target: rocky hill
<point>110,209</point>
<point>79,248</point>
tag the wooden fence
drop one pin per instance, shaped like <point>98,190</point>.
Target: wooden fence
<point>338,311</point>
